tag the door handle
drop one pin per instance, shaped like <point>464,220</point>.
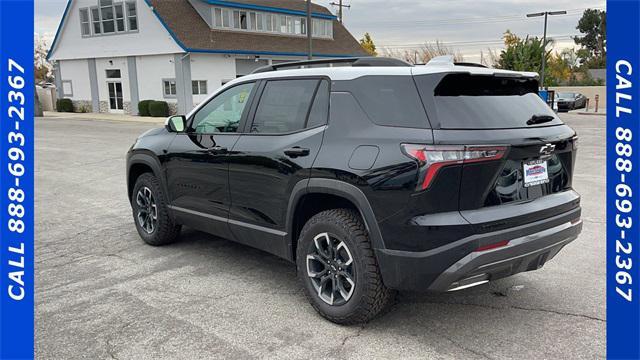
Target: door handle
<point>218,150</point>
<point>296,151</point>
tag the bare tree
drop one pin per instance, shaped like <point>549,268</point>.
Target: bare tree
<point>424,53</point>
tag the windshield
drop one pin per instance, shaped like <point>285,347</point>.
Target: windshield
<point>465,101</point>
<point>564,95</point>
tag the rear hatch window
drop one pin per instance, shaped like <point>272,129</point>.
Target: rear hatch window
<point>465,101</point>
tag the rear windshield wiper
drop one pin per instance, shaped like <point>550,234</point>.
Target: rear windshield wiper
<point>540,119</point>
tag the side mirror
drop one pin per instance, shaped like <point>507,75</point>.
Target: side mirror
<point>176,123</point>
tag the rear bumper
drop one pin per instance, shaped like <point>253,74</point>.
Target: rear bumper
<point>457,265</point>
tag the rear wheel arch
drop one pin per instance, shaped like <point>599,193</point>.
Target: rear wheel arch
<point>323,194</point>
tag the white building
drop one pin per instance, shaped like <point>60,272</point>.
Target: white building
<point>110,54</point>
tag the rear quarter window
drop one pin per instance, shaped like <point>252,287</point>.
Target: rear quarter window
<point>390,100</point>
<point>464,101</point>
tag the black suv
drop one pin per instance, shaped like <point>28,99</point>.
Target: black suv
<point>374,177</point>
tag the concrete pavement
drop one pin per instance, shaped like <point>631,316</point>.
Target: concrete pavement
<point>101,293</point>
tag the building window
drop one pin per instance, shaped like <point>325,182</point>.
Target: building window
<point>119,11</point>
<point>95,19</point>
<point>259,22</point>
<point>113,74</point>
<point>199,87</point>
<point>226,18</point>
<point>106,14</point>
<point>252,23</point>
<point>269,24</point>
<point>85,23</point>
<point>109,18</point>
<point>67,88</point>
<point>265,22</point>
<point>132,16</point>
<point>217,17</point>
<point>169,88</point>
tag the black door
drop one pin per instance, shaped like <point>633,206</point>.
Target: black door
<point>276,151</point>
<point>197,165</point>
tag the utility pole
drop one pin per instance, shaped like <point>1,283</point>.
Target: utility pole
<point>340,6</point>
<point>544,38</point>
<point>309,31</point>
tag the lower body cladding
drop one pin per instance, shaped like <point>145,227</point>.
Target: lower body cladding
<point>464,263</point>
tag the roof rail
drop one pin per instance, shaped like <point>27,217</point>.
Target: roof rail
<point>354,61</point>
<point>448,60</point>
<point>470,64</point>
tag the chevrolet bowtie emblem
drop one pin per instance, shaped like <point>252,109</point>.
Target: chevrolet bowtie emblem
<point>547,149</point>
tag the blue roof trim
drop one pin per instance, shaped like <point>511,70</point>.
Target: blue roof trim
<point>268,8</point>
<point>55,39</point>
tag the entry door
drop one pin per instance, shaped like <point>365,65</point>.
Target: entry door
<point>115,96</point>
<point>197,162</point>
<point>275,153</point>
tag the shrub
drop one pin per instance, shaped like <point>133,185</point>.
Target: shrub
<point>143,107</point>
<point>159,109</point>
<point>64,105</point>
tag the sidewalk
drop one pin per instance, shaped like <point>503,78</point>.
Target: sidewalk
<point>601,112</point>
<point>103,116</point>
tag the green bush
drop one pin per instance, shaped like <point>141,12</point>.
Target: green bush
<point>64,105</point>
<point>159,109</point>
<point>143,107</point>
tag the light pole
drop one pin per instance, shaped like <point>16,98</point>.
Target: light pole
<point>309,30</point>
<point>544,38</point>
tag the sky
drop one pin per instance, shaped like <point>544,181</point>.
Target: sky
<point>470,27</point>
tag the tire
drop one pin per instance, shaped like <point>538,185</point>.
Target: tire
<point>163,230</point>
<point>368,296</point>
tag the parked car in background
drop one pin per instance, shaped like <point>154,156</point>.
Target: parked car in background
<point>570,101</point>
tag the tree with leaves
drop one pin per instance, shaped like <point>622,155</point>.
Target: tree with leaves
<point>593,51</point>
<point>522,54</point>
<point>367,44</point>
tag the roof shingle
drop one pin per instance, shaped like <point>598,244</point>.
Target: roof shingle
<point>196,35</point>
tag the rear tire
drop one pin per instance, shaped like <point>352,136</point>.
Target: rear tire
<point>346,286</point>
<point>150,213</point>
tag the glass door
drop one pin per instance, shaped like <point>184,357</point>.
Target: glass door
<point>115,96</point>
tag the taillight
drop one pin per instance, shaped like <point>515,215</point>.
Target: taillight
<point>431,158</point>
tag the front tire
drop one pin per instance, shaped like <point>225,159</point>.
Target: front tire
<point>150,213</point>
<point>338,268</point>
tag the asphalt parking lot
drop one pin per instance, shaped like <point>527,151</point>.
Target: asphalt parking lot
<point>102,293</point>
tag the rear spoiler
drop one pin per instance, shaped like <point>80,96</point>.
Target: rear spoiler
<point>449,62</point>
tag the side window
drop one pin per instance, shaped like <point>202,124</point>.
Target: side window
<point>320,109</point>
<point>284,106</point>
<point>390,100</point>
<point>223,112</point>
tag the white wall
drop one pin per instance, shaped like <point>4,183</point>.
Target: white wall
<point>151,38</point>
<point>78,72</point>
<point>151,71</point>
<point>112,64</point>
<point>214,69</point>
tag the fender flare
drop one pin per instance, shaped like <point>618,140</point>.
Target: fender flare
<point>152,162</point>
<point>338,188</point>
